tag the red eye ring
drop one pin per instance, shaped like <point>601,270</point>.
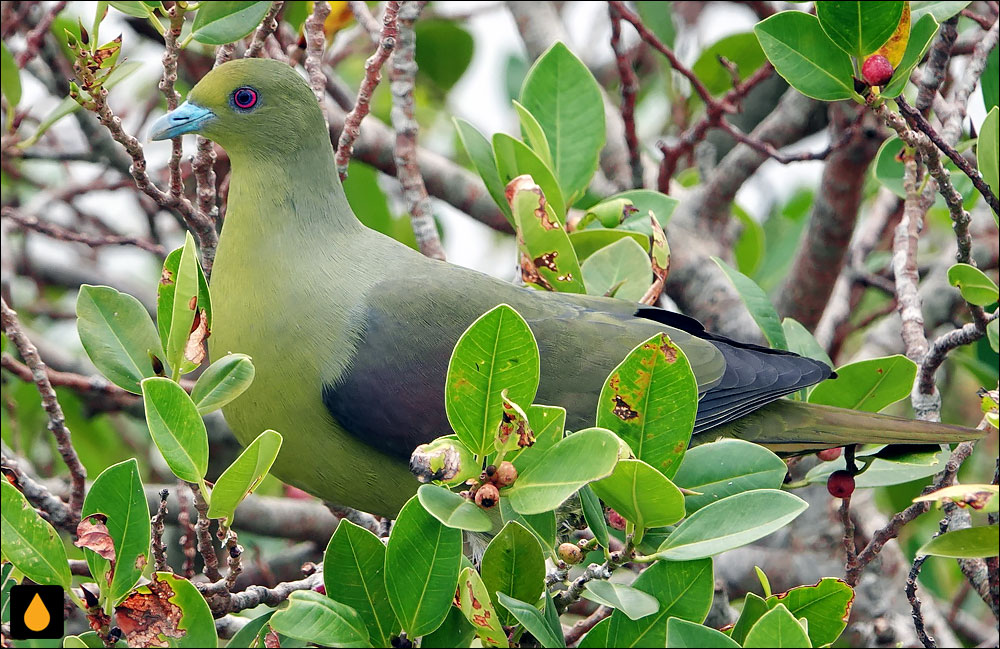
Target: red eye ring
<point>245,98</point>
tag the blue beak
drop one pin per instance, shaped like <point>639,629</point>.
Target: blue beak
<point>186,118</point>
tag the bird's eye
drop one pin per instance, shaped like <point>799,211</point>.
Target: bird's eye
<point>244,98</point>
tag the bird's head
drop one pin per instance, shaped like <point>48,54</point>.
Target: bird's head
<point>256,107</point>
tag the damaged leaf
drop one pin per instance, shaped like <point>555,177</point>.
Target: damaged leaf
<point>825,605</point>
<point>981,497</point>
<point>893,48</point>
<point>514,431</point>
<point>183,308</point>
<point>477,607</point>
<point>168,611</point>
<point>446,459</point>
<point>92,534</point>
<point>548,260</point>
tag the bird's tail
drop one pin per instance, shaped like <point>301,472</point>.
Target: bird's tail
<point>793,427</point>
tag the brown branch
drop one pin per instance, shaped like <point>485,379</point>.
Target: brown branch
<point>206,548</point>
<point>936,68</point>
<point>171,52</point>
<point>402,76</point>
<point>52,507</point>
<point>582,627</point>
<point>265,29</point>
<point>369,22</point>
<point>159,549</point>
<point>373,74</point>
<point>315,43</point>
<point>35,38</point>
<point>945,343</point>
<point>57,422</point>
<point>629,88</point>
<point>65,234</point>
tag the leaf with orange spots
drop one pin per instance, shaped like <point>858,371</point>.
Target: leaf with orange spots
<point>478,608</point>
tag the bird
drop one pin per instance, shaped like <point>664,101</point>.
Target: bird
<point>351,332</point>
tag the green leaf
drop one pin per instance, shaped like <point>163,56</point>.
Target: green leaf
<point>868,385</point>
<point>968,543</point>
<point>176,428</point>
<point>481,154</point>
<point>731,523</point>
<point>941,10</point>
<point>533,135</point>
<point>650,400</point>
<point>859,28</point>
<point>180,296</point>
<point>218,23</point>
<point>805,56</point>
<point>514,158</point>
<point>565,99</point>
<point>117,494</point>
<point>742,49</point>
<point>547,422</point>
<point>513,564</point>
<point>976,287</point>
<point>496,353</point>
<point>316,618</point>
<point>802,342</point>
<point>135,9</point>
<point>632,602</point>
<point>597,637</point>
<point>754,607</point>
<point>889,171</point>
<point>988,151</point>
<point>621,269</point>
<point>777,628</point>
<point>684,590</point>
<point>421,583</point>
<point>547,257</point>
<point>248,632</point>
<point>532,620</point>
<point>921,36</point>
<point>593,514</point>
<point>749,249</point>
<point>826,606</point>
<point>543,525</point>
<point>118,335</point>
<point>657,16</point>
<point>993,334</point>
<point>30,543</point>
<point>195,628</point>
<point>646,201</point>
<point>455,631</point>
<point>990,81</point>
<point>354,575</point>
<point>757,304</point>
<point>453,510</point>
<point>587,242</point>
<point>11,84</point>
<point>477,606</point>
<point>681,633</point>
<point>583,457</point>
<point>244,475</point>
<point>884,473</point>
<point>443,51</point>
<point>726,467</point>
<point>223,381</point>
<point>641,494</point>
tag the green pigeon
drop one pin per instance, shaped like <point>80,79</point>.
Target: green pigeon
<point>351,332</point>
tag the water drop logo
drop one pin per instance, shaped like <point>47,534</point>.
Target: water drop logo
<point>36,612</point>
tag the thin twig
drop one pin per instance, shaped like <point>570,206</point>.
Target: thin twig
<point>35,38</point>
<point>369,22</point>
<point>156,538</point>
<point>65,234</point>
<point>630,86</point>
<point>265,29</point>
<point>202,529</point>
<point>53,507</point>
<point>315,43</point>
<point>57,421</point>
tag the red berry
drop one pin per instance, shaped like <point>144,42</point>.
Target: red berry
<point>877,70</point>
<point>829,454</point>
<point>840,484</point>
<point>487,496</point>
<point>616,520</point>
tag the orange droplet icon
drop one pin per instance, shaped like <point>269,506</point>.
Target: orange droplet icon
<point>36,617</point>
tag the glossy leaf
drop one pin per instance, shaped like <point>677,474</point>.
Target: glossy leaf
<point>583,457</point>
<point>646,201</point>
<point>513,564</point>
<point>247,635</point>
<point>218,23</point>
<point>593,514</point>
<point>868,385</point>
<point>564,97</point>
<point>547,257</point>
<point>223,381</point>
<point>514,158</point>
<point>826,606</point>
<point>118,494</point>
<point>477,606</point>
<point>30,543</point>
<point>650,400</point>
<point>455,631</point>
<point>777,628</point>
<point>532,620</point>
<point>758,304</point>
<point>941,10</point>
<point>805,57</point>
<point>990,81</point>
<point>543,525</point>
<point>118,335</point>
<point>802,342</point>
<point>988,150</point>
<point>319,619</point>
<point>597,637</point>
<point>976,287</point>
<point>681,633</point>
<point>452,509</point>
<point>533,134</point>
<point>179,298</point>
<point>176,428</point>
<point>884,473</point>
<point>894,48</point>
<point>684,589</point>
<point>658,17</point>
<point>480,152</point>
<point>354,575</point>
<point>641,494</point>
<point>421,585</point>
<point>621,270</point>
<point>968,543</point>
<point>496,353</point>
<point>632,602</point>
<point>731,523</point>
<point>922,35</point>
<point>859,28</point>
<point>726,467</point>
<point>754,607</point>
<point>244,475</point>
<point>587,242</point>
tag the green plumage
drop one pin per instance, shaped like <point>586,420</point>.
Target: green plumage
<point>350,331</point>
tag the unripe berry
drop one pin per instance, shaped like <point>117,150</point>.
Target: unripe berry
<point>877,70</point>
<point>487,496</point>
<point>570,553</point>
<point>829,454</point>
<point>840,484</point>
<point>616,520</point>
<point>505,475</point>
